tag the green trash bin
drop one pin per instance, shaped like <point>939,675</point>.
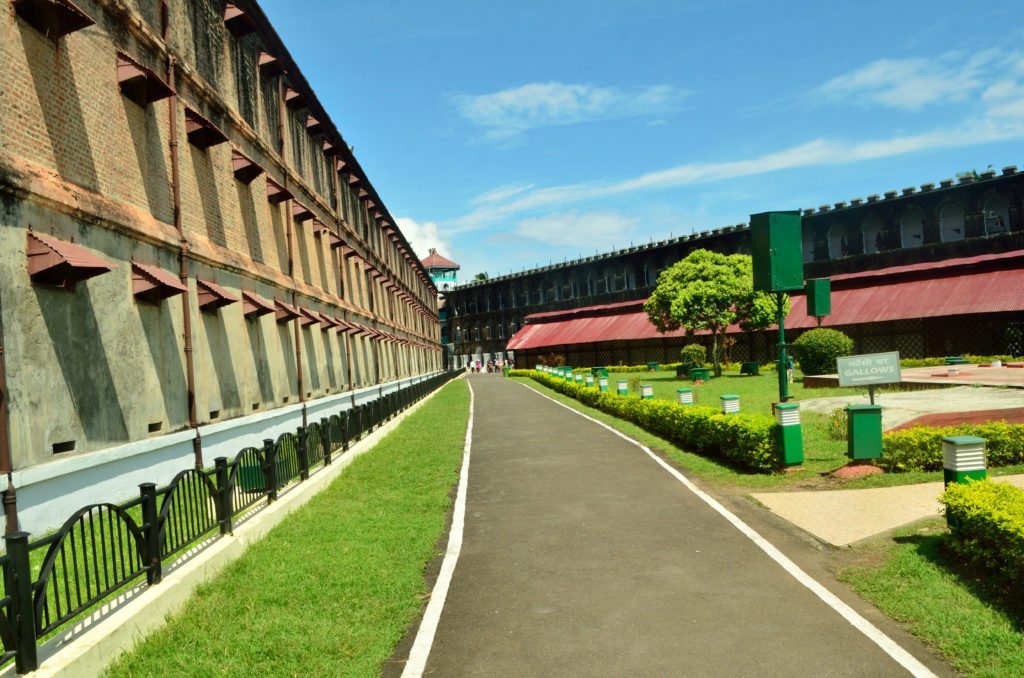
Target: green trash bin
<point>653,367</point>
<point>864,431</point>
<point>599,372</point>
<point>700,374</point>
<point>752,369</point>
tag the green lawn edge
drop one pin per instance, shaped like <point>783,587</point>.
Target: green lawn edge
<point>916,581</point>
<point>334,587</point>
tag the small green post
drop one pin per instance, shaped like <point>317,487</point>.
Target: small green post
<point>647,392</point>
<point>963,459</point>
<point>684,396</point>
<point>730,404</point>
<point>602,384</point>
<point>790,434</point>
<point>589,381</point>
<point>864,431</point>
<point>783,369</point>
<point>622,387</point>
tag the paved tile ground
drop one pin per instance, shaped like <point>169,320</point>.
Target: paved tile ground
<point>583,557</point>
<point>842,517</point>
<point>901,407</point>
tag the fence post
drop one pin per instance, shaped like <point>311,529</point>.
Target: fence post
<point>151,521</point>
<point>345,419</point>
<point>270,468</point>
<point>325,438</point>
<point>224,507</point>
<point>18,581</point>
<point>303,451</point>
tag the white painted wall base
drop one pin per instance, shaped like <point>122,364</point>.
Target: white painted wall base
<point>49,493</point>
<point>93,644</point>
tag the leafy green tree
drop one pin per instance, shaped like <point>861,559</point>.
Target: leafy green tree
<point>481,276</point>
<point>710,291</point>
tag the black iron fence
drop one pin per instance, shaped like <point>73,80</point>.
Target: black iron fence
<point>103,549</point>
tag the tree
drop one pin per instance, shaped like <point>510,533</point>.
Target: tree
<point>710,291</point>
<point>481,276</point>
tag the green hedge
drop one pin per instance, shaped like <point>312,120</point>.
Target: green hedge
<point>989,527</point>
<point>920,448</point>
<point>747,440</point>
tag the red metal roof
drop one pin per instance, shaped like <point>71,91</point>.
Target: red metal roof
<point>212,296</point>
<point>253,305</point>
<point>435,260</point>
<point>983,284</point>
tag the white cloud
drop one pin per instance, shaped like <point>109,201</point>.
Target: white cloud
<point>512,111</point>
<point>911,84</point>
<point>815,153</point>
<point>423,236</point>
<point>575,229</point>
<point>500,193</point>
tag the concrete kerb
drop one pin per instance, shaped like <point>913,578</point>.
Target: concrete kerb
<point>85,651</point>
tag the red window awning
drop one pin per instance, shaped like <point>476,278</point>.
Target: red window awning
<point>58,262</point>
<point>306,317</point>
<point>212,296</point>
<point>53,18</point>
<point>153,284</point>
<point>284,311</point>
<point>201,132</point>
<point>138,83</point>
<point>253,305</point>
<point>244,168</point>
<point>276,192</point>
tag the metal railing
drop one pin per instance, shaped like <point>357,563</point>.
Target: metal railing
<point>103,549</point>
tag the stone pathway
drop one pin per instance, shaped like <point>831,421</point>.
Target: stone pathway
<point>842,517</point>
<point>582,556</point>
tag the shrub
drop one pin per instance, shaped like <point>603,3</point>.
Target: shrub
<point>988,520</point>
<point>920,448</point>
<point>836,428</point>
<point>746,440</point>
<point>817,350</point>
<point>693,355</point>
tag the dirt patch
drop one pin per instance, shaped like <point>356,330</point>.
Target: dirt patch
<point>1013,415</point>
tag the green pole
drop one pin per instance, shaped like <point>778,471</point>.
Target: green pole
<point>783,361</point>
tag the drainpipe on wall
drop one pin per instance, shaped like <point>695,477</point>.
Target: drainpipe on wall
<point>10,496</point>
<point>186,304</point>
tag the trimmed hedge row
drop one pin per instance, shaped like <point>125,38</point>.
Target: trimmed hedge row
<point>920,448</point>
<point>747,440</point>
<point>988,520</point>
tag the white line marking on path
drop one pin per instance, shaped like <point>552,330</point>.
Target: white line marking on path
<point>428,627</point>
<point>888,645</point>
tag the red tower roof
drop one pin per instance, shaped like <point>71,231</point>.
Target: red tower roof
<point>435,260</point>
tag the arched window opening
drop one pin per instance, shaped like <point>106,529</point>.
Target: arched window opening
<point>996,213</point>
<point>951,222</point>
<point>873,233</point>
<point>912,228</point>
<point>838,244</point>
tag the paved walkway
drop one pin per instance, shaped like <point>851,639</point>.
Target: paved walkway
<point>584,557</point>
<point>901,407</point>
<point>842,517</point>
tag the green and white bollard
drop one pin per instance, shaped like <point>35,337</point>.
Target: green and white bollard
<point>623,387</point>
<point>730,404</point>
<point>684,396</point>
<point>589,381</point>
<point>647,392</point>
<point>963,459</point>
<point>602,384</point>
<point>578,377</point>
<point>791,440</point>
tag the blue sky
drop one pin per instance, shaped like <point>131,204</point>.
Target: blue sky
<point>513,134</point>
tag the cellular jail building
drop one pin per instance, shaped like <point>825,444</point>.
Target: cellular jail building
<point>193,260</point>
<point>930,270</point>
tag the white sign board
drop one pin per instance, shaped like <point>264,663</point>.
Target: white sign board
<point>869,370</point>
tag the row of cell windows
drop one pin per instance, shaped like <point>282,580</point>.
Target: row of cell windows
<point>487,331</point>
<point>873,235</point>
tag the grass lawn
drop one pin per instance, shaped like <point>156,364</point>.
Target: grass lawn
<point>913,579</point>
<point>332,589</point>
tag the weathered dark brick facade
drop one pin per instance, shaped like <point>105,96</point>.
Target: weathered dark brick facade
<point>964,217</point>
